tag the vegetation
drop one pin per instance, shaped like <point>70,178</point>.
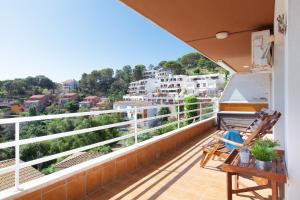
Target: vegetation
<point>103,82</point>
<point>188,100</point>
<point>41,149</point>
<point>26,87</point>
<point>264,150</point>
<point>164,111</point>
<point>138,72</point>
<point>107,82</point>
<point>72,106</point>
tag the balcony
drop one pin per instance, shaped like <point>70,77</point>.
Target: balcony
<point>139,160</point>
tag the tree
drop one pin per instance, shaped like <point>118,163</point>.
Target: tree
<point>188,100</point>
<point>117,89</point>
<point>190,59</point>
<point>32,111</point>
<point>72,106</point>
<point>125,74</point>
<point>102,149</point>
<point>151,67</point>
<point>97,82</point>
<point>138,72</point>
<point>175,67</point>
<point>164,111</point>
<point>26,87</point>
<point>197,71</point>
<point>44,82</point>
<point>162,63</point>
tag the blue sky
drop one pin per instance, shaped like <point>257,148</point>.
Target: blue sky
<point>64,38</point>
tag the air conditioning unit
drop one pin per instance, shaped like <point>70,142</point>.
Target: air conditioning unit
<point>261,43</point>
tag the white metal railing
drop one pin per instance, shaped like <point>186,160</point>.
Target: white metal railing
<point>17,142</point>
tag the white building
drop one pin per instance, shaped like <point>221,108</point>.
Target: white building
<point>142,112</point>
<point>69,85</point>
<point>143,87</point>
<point>167,87</point>
<point>150,74</point>
<point>205,85</point>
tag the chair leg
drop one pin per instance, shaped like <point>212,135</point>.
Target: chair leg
<point>208,155</point>
<point>203,158</point>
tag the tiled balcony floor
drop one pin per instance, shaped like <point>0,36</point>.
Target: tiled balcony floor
<point>177,176</point>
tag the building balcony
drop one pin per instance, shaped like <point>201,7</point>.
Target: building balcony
<point>138,162</point>
<point>161,168</point>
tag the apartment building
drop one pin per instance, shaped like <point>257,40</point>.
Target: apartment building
<point>150,74</point>
<point>165,87</point>
<point>141,111</point>
<point>144,86</point>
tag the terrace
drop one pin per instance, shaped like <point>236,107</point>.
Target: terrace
<point>166,166</point>
<point>112,166</point>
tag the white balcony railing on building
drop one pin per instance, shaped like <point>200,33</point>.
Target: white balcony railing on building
<point>17,142</point>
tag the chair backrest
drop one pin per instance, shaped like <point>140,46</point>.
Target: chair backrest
<point>265,112</point>
<point>264,126</point>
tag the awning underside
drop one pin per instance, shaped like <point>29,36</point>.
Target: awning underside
<point>196,22</point>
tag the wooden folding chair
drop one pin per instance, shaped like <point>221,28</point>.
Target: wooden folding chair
<point>217,146</point>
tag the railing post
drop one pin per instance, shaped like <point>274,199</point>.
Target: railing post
<point>17,155</point>
<point>216,106</point>
<point>135,126</point>
<point>178,115</point>
<point>200,110</point>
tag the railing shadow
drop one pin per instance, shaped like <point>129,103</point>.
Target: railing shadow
<point>170,160</point>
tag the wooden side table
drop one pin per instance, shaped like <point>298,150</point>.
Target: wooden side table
<point>276,176</point>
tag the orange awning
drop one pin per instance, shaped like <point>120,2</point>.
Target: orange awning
<point>196,22</point>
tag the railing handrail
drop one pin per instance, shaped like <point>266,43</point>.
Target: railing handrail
<point>18,142</point>
<point>82,114</point>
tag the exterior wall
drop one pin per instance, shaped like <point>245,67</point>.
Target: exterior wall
<point>292,97</point>
<point>248,88</point>
<point>151,85</point>
<point>88,181</point>
<point>278,92</point>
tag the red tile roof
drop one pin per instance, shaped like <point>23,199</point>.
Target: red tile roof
<point>91,97</point>
<point>37,97</point>
<point>76,158</point>
<point>26,174</point>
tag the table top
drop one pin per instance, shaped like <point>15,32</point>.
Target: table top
<point>278,172</point>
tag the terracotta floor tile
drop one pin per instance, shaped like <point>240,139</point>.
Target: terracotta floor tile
<point>173,177</point>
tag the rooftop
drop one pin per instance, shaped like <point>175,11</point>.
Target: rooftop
<point>76,159</point>
<point>26,174</point>
<point>133,103</point>
<point>70,94</point>
<point>38,96</point>
<point>90,97</point>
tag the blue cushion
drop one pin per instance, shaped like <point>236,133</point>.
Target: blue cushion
<point>234,136</point>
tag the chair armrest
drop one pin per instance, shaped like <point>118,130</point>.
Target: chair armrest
<point>228,141</point>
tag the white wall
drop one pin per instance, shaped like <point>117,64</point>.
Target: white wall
<point>292,98</point>
<point>252,88</point>
<point>278,91</point>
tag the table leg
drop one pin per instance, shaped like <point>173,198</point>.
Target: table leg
<point>229,186</point>
<point>281,191</point>
<point>236,183</point>
<point>274,190</point>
